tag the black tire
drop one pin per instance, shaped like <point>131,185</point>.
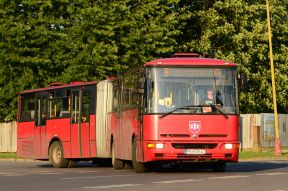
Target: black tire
<point>219,166</point>
<point>128,165</point>
<point>56,155</point>
<point>138,166</point>
<point>116,163</point>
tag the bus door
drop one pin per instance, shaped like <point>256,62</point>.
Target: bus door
<point>80,125</point>
<point>40,125</point>
<point>115,118</point>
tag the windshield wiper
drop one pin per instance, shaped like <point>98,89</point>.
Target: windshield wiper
<point>220,111</point>
<point>193,106</point>
<point>178,108</point>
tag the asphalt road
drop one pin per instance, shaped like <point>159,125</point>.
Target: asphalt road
<point>36,176</point>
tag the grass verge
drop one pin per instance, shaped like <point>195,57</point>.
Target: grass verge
<point>264,153</point>
<point>8,156</point>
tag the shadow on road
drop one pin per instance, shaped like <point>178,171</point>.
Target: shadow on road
<point>254,166</point>
<point>82,164</point>
<point>244,166</point>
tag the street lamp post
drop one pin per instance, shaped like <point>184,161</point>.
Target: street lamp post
<point>278,151</point>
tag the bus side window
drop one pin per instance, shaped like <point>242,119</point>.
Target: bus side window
<point>25,116</point>
<point>116,88</point>
<point>65,110</point>
<point>27,108</point>
<point>85,106</point>
<point>41,109</point>
<point>75,107</point>
<point>59,107</point>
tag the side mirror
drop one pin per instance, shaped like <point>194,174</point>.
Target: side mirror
<point>242,82</point>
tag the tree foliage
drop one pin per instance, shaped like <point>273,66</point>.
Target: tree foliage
<point>236,30</point>
<point>59,40</point>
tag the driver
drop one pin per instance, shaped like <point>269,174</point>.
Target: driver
<point>208,98</point>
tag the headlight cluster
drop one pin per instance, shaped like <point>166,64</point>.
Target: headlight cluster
<point>155,145</point>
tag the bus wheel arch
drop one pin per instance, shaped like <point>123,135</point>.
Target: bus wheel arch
<point>56,154</point>
<point>138,166</point>
<point>118,164</point>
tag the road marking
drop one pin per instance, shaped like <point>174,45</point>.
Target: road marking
<point>68,170</point>
<point>6,173</point>
<point>113,186</point>
<point>228,177</point>
<point>124,170</point>
<point>15,175</point>
<point>87,177</point>
<point>177,181</point>
<point>40,172</point>
<point>272,174</point>
<point>48,173</point>
<point>84,172</point>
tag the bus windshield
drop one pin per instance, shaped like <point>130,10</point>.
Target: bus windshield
<point>191,90</point>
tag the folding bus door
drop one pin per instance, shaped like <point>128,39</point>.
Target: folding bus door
<point>40,126</point>
<point>80,126</point>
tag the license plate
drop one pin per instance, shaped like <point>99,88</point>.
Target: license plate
<point>195,152</point>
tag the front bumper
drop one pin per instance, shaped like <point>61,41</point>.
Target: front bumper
<point>191,151</point>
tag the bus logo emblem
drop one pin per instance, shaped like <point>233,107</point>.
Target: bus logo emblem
<point>194,127</point>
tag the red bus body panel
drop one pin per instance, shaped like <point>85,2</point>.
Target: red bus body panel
<point>122,129</point>
<point>175,129</point>
<point>190,62</point>
<point>60,129</point>
<point>215,130</point>
<point>34,141</point>
<point>26,139</point>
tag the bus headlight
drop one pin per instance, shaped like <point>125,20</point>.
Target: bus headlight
<point>159,145</point>
<point>228,146</point>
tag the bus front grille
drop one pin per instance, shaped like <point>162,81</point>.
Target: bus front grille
<point>195,157</point>
<point>194,145</point>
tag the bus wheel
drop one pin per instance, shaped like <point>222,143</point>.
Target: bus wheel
<point>56,155</point>
<point>219,166</point>
<point>138,166</point>
<point>116,163</point>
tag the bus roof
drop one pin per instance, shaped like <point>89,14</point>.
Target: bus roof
<point>186,61</point>
<point>72,84</point>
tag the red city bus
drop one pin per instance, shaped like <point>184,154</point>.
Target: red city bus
<point>59,123</point>
<point>175,110</point>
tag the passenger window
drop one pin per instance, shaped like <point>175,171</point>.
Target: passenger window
<point>85,107</point>
<point>75,107</point>
<point>59,104</point>
<point>27,112</point>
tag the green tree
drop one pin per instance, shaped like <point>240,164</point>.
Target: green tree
<point>30,52</point>
<point>60,40</point>
<point>111,36</point>
<point>236,30</point>
<point>82,40</point>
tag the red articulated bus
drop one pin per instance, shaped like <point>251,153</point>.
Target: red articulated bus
<point>175,110</point>
<point>171,110</point>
